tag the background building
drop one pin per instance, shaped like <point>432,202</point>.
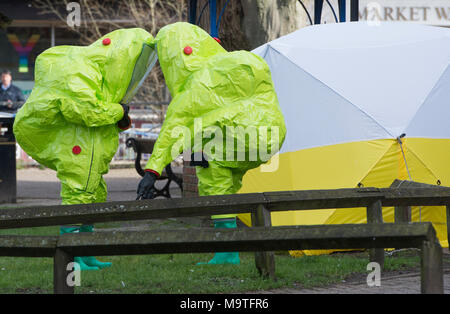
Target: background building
<point>27,28</point>
<point>431,12</point>
<point>24,35</point>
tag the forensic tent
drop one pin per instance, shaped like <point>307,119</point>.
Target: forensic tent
<point>364,105</point>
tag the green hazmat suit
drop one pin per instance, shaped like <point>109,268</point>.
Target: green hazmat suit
<point>216,89</point>
<point>69,122</point>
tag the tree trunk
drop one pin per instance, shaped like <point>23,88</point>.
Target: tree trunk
<point>266,20</point>
<point>247,24</point>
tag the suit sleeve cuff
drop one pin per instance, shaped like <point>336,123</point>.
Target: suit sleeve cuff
<point>153,171</point>
<point>128,126</point>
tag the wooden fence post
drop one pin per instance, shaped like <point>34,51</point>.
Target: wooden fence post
<point>432,276</point>
<point>402,214</point>
<point>61,261</point>
<point>448,223</point>
<point>265,261</point>
<point>375,216</point>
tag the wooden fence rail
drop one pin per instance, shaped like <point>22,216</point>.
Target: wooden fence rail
<point>402,195</point>
<point>65,247</point>
<point>220,204</point>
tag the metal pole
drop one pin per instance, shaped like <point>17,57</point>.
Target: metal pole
<point>342,11</point>
<point>52,35</point>
<point>212,19</point>
<point>354,10</point>
<point>318,5</point>
<point>192,11</point>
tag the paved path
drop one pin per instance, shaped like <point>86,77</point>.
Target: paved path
<point>400,284</point>
<point>42,187</point>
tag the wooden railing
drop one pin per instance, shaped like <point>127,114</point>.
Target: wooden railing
<point>263,238</point>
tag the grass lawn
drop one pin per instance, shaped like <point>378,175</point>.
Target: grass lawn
<point>178,273</point>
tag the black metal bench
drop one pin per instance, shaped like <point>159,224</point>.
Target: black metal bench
<point>145,146</point>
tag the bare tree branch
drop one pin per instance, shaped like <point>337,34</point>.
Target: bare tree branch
<point>99,17</point>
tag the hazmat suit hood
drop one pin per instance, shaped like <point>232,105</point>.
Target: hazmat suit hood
<point>176,64</point>
<point>129,58</point>
<point>69,121</point>
<point>219,90</point>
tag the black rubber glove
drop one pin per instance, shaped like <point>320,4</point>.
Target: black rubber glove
<point>125,122</point>
<point>145,188</point>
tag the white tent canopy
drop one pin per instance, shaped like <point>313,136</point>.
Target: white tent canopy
<point>385,80</point>
<point>347,92</point>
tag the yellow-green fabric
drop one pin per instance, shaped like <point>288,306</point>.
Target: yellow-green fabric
<point>75,102</point>
<point>219,89</point>
<point>218,180</point>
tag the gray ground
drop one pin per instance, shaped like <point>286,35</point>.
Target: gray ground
<point>36,186</point>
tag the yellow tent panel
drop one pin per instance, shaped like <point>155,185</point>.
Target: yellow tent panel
<point>370,163</point>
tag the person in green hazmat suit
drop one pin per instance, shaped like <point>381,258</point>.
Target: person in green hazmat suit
<point>71,121</point>
<point>214,92</point>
